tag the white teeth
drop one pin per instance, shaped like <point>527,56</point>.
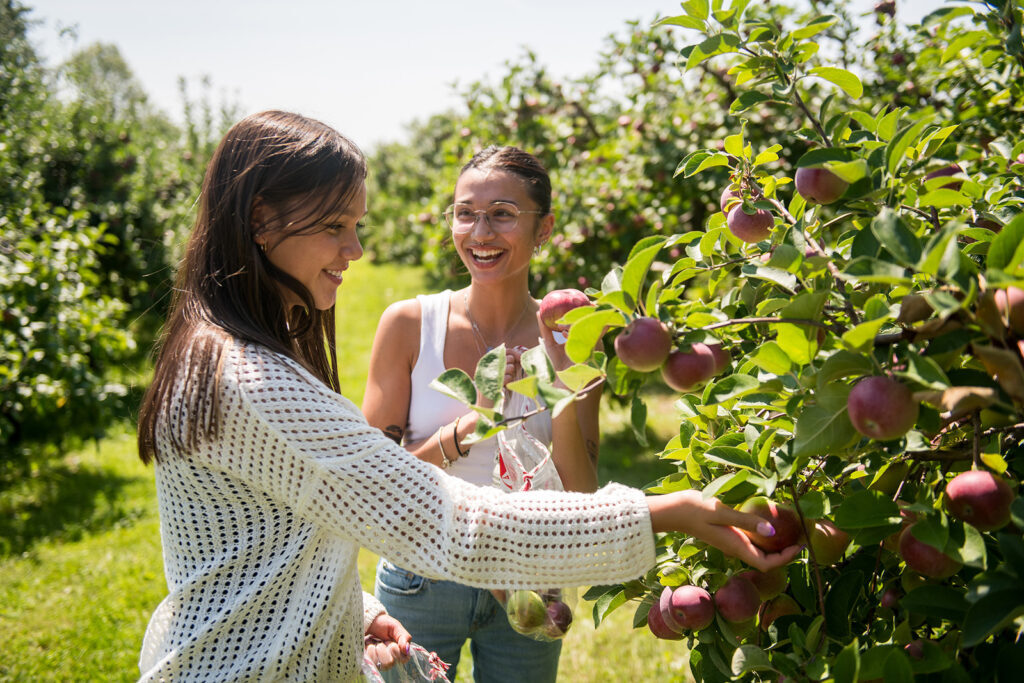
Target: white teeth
<point>486,253</point>
<point>333,273</point>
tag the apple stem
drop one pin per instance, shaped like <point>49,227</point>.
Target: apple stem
<point>976,445</point>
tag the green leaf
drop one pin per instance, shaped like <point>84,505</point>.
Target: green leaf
<point>861,337</point>
<point>749,98</point>
<point>1006,251</point>
<point>637,265</point>
<point>607,603</point>
<point>936,601</point>
<point>843,364</point>
<point>771,358</point>
<point>846,666</point>
<point>897,148</point>
<point>684,21</point>
<point>638,420</point>
<point>940,248</point>
<point>730,387</point>
<point>863,509</point>
<point>586,332</point>
<point>897,668</point>
<point>457,384</point>
<point>991,614</point>
<point>944,197</point>
<point>894,235</point>
<point>490,374</point>
<point>816,26</point>
<point>577,376</point>
<point>749,658</point>
<point>846,80</point>
<point>728,455</point>
<point>821,430</point>
<point>526,386</point>
<point>866,269</point>
<point>839,602</point>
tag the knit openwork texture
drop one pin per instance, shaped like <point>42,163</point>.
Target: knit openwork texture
<point>261,527</point>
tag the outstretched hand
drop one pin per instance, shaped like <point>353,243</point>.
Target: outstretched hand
<point>714,522</point>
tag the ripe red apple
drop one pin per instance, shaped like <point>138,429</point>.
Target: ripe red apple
<point>749,227</point>
<point>687,608</point>
<point>658,627</point>
<point>890,598</point>
<point>979,498</point>
<point>559,302</point>
<point>1010,303</point>
<point>729,195</point>
<point>882,408</point>
<point>769,583</point>
<point>828,542</point>
<point>780,606</point>
<point>644,344</point>
<point>819,185</point>
<point>782,517</point>
<point>721,356</point>
<point>683,370</point>
<point>737,600</point>
<point>559,619</point>
<point>924,559</point>
<point>951,169</point>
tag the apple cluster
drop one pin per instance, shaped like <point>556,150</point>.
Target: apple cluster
<point>541,615</point>
<point>750,223</point>
<point>645,345</point>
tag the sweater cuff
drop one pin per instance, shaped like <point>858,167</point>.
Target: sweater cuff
<point>372,608</point>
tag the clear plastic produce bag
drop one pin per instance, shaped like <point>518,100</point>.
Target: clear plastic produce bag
<point>542,615</point>
<point>523,462</point>
<point>422,666</point>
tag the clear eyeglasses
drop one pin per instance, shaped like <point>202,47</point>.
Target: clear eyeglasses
<point>501,217</point>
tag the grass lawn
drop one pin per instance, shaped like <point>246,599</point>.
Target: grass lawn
<point>80,559</point>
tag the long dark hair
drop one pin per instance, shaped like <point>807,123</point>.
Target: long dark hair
<point>227,289</point>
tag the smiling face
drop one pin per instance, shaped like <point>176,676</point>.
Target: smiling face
<point>491,255</point>
<point>318,254</point>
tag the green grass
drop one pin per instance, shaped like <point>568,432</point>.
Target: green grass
<point>80,558</point>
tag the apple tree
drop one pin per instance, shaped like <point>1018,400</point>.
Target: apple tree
<point>845,335</point>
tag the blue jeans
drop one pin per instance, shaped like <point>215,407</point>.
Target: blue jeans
<point>441,615</point>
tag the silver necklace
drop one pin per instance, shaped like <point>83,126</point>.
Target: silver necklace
<point>481,342</point>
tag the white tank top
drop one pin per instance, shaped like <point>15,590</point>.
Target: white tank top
<point>429,408</point>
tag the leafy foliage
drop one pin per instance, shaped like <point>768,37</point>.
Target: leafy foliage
<point>909,275</point>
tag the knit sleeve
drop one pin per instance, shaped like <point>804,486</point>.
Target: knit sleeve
<point>287,434</point>
<point>372,608</point>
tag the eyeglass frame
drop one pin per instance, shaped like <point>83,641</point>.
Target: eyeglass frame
<point>483,212</point>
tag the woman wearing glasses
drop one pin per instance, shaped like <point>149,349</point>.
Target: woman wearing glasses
<point>501,214</point>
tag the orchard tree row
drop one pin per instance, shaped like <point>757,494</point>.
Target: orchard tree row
<point>95,190</point>
<point>845,331</point>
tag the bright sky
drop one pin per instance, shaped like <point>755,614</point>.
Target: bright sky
<point>366,67</point>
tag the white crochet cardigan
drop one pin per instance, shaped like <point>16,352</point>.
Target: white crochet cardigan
<point>262,525</point>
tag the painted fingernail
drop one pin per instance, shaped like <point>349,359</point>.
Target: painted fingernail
<point>408,646</point>
<point>765,529</point>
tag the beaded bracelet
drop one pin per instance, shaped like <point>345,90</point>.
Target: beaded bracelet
<point>455,438</point>
<point>445,462</point>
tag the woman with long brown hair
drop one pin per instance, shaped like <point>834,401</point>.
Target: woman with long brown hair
<point>269,481</point>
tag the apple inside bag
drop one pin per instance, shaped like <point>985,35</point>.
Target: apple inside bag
<point>523,463</point>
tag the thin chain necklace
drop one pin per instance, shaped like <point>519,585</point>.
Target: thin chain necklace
<point>481,342</point>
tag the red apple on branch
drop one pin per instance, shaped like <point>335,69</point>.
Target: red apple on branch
<point>559,302</point>
<point>687,608</point>
<point>925,559</point>
<point>769,583</point>
<point>644,344</point>
<point>882,408</point>
<point>819,185</point>
<point>780,606</point>
<point>657,625</point>
<point>828,542</point>
<point>979,498</point>
<point>729,195</point>
<point>737,600</point>
<point>684,370</point>
<point>750,227</point>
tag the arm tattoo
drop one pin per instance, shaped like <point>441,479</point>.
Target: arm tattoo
<point>395,433</point>
<point>592,450</point>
